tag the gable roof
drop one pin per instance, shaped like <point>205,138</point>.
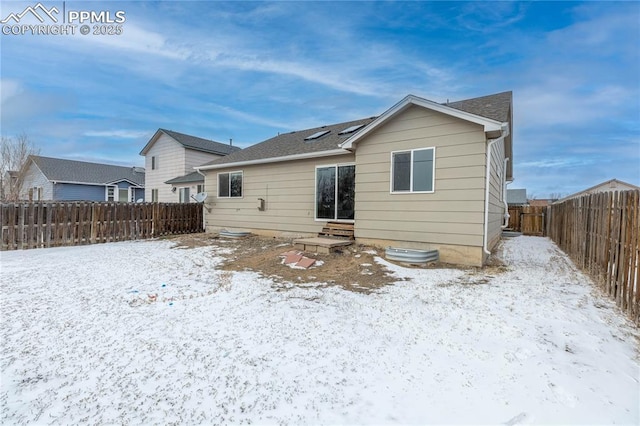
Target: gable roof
<point>489,124</point>
<point>72,171</point>
<point>516,196</point>
<point>486,111</point>
<point>292,145</point>
<point>609,185</point>
<point>497,106</point>
<point>191,142</point>
<point>188,178</point>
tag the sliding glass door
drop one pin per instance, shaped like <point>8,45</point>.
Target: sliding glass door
<point>335,192</point>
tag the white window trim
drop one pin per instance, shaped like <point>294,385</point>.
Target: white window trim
<point>218,184</point>
<point>335,197</point>
<point>411,191</point>
<point>106,192</point>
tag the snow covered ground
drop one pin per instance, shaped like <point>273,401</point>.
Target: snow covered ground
<point>83,342</point>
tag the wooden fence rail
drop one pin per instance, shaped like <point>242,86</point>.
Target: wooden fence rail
<point>601,233</point>
<point>55,224</point>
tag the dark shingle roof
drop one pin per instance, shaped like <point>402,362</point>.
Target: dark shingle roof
<point>293,143</point>
<point>60,170</point>
<point>200,144</point>
<point>496,107</point>
<point>191,177</point>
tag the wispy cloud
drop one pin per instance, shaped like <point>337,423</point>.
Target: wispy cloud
<point>122,134</point>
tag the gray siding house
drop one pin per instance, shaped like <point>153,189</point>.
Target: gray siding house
<point>422,175</point>
<point>56,179</point>
<point>170,158</point>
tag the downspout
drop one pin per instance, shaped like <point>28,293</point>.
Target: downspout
<point>504,195</point>
<point>485,237</point>
<point>204,216</point>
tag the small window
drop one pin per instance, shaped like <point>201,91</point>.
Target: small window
<point>154,163</point>
<point>200,188</point>
<point>111,191</point>
<point>230,185</point>
<point>413,171</point>
<point>154,195</point>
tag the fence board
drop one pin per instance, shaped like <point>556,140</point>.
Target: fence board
<point>601,233</point>
<point>41,224</point>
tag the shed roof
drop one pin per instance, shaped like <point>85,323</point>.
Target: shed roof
<point>192,142</point>
<point>61,170</point>
<point>188,178</point>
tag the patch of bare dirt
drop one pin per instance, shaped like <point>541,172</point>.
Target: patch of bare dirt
<point>352,267</point>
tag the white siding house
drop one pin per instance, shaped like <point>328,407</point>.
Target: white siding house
<point>171,156</point>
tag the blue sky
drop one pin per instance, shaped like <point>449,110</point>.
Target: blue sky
<point>248,70</point>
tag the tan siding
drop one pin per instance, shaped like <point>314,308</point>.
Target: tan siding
<point>496,205</point>
<point>288,189</point>
<point>458,201</point>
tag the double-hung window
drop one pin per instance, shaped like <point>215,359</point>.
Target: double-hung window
<point>413,170</point>
<point>230,185</point>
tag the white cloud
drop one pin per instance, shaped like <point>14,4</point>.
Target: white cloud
<point>123,134</point>
<point>9,89</point>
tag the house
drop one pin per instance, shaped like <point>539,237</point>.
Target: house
<point>170,158</point>
<point>608,186</point>
<point>541,202</point>
<point>517,197</point>
<point>57,179</point>
<point>422,175</point>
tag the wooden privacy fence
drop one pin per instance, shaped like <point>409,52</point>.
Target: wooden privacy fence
<point>601,233</point>
<point>55,224</point>
<point>530,220</point>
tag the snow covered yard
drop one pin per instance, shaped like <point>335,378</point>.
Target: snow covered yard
<point>82,342</point>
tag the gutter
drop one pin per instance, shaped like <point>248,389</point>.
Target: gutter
<point>485,238</point>
<point>505,222</point>
<point>274,159</point>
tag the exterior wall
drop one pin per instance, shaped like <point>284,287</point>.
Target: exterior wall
<point>77,192</point>
<point>193,189</point>
<point>171,163</point>
<point>496,200</point>
<point>35,178</point>
<point>453,215</point>
<point>288,190</point>
<point>196,158</point>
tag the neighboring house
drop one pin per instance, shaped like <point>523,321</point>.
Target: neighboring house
<point>56,179</point>
<point>170,158</point>
<point>608,186</point>
<point>422,175</point>
<point>542,202</point>
<point>517,197</point>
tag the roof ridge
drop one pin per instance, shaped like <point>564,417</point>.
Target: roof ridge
<point>81,161</point>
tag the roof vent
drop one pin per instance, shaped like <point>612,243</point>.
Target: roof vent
<point>351,129</point>
<point>317,135</point>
